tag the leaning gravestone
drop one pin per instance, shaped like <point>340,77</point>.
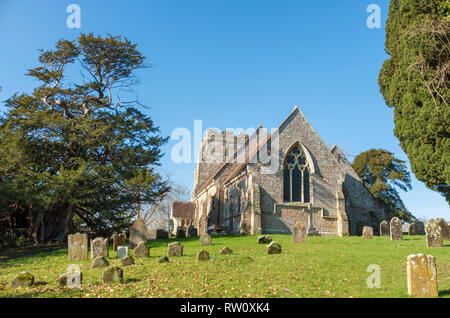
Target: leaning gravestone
<point>444,229</point>
<point>113,274</point>
<point>203,256</point>
<point>434,234</point>
<point>23,279</point>
<point>127,261</point>
<point>122,251</point>
<point>264,239</point>
<point>181,232</point>
<point>273,248</point>
<point>421,274</point>
<point>191,231</point>
<point>367,232</point>
<point>413,229</point>
<point>384,228</point>
<point>141,250</point>
<point>299,233</point>
<point>396,229</point>
<point>99,261</point>
<point>72,278</point>
<point>205,239</point>
<point>420,228</point>
<point>174,249</point>
<point>99,247</point>
<point>78,247</point>
<point>118,240</point>
<point>226,250</point>
<point>138,232</point>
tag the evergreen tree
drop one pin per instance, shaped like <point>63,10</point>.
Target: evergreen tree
<point>381,172</point>
<point>73,148</point>
<point>415,82</point>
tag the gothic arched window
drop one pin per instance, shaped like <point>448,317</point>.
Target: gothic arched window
<point>296,177</point>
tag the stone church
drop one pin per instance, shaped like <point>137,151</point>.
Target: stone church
<point>242,191</point>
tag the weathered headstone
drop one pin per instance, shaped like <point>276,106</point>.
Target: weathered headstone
<point>174,249</point>
<point>367,232</point>
<point>203,256</point>
<point>113,274</point>
<point>99,261</point>
<point>99,247</point>
<point>420,228</point>
<point>138,232</point>
<point>78,247</point>
<point>205,239</point>
<point>273,248</point>
<point>163,259</point>
<point>226,250</point>
<point>127,261</point>
<point>396,229</point>
<point>299,233</point>
<point>191,231</point>
<point>181,232</point>
<point>444,229</point>
<point>72,278</point>
<point>384,228</point>
<point>23,279</point>
<point>434,234</point>
<point>122,251</point>
<point>413,229</point>
<point>118,240</point>
<point>264,239</point>
<point>421,273</point>
<point>141,250</point>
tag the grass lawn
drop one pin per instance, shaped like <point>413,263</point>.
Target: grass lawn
<point>322,267</point>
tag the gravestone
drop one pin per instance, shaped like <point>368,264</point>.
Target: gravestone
<point>99,261</point>
<point>122,251</point>
<point>273,248</point>
<point>138,232</point>
<point>72,278</point>
<point>118,240</point>
<point>205,239</point>
<point>299,233</point>
<point>113,274</point>
<point>23,279</point>
<point>163,259</point>
<point>99,247</point>
<point>406,228</point>
<point>191,231</point>
<point>127,261</point>
<point>384,228</point>
<point>444,228</point>
<point>434,234</point>
<point>413,229</point>
<point>78,247</point>
<point>181,232</point>
<point>264,239</point>
<point>203,256</point>
<point>141,250</point>
<point>421,274</point>
<point>395,228</point>
<point>367,232</point>
<point>162,234</point>
<point>420,228</point>
<point>174,249</point>
<point>226,250</point>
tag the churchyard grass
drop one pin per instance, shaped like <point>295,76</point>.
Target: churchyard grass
<point>321,267</point>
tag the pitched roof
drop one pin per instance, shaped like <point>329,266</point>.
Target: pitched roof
<point>183,209</point>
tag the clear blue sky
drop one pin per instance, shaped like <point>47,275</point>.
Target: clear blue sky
<point>234,63</point>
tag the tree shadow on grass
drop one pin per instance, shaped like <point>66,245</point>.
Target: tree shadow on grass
<point>443,293</point>
<point>11,254</point>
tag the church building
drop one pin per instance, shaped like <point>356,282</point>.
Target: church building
<point>267,183</point>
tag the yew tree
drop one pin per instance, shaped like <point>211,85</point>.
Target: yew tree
<point>78,147</point>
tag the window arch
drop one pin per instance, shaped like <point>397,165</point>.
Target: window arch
<point>296,176</point>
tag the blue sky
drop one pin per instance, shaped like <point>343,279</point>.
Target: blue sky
<point>234,63</point>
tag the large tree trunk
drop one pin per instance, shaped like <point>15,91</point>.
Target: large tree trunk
<point>52,225</point>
